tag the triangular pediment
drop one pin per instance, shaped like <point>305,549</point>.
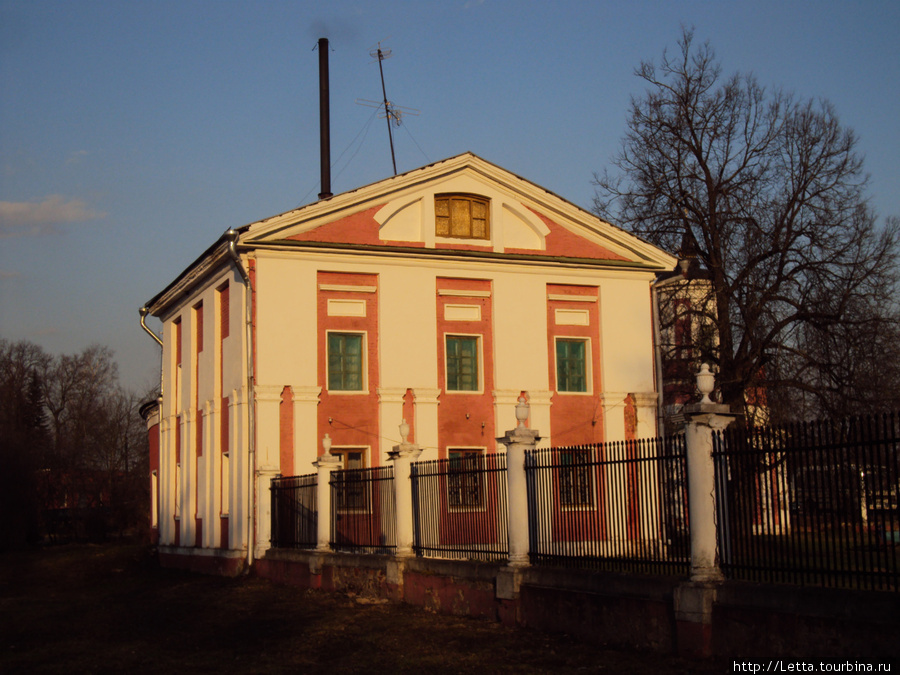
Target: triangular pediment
<point>519,218</point>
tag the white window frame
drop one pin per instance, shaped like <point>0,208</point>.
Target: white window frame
<point>466,508</point>
<point>479,348</point>
<point>365,363</point>
<point>588,365</point>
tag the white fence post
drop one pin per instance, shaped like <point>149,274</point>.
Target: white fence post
<point>403,455</point>
<point>517,441</point>
<point>325,464</point>
<point>703,419</point>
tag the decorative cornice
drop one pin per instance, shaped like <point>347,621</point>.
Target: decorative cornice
<point>427,395</point>
<point>455,293</point>
<point>305,394</point>
<point>348,288</point>
<point>391,394</point>
<point>646,399</point>
<point>544,397</point>
<point>268,393</point>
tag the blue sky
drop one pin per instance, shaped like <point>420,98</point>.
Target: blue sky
<point>133,133</point>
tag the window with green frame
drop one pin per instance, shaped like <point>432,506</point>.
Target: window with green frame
<point>571,365</point>
<point>462,363</point>
<point>464,471</point>
<point>345,362</point>
<point>575,488</point>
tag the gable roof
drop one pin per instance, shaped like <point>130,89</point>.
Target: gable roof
<point>395,216</point>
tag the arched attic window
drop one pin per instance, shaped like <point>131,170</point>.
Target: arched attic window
<point>462,216</point>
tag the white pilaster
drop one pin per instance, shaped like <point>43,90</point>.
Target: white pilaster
<point>325,465</point>
<point>390,409</point>
<point>268,459</point>
<point>306,402</point>
<point>427,421</point>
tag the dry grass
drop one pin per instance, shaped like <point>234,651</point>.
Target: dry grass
<point>104,609</point>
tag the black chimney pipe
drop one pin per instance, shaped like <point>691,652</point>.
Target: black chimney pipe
<point>324,121</point>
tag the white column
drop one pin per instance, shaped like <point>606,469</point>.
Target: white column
<point>645,404</point>
<point>540,402</point>
<point>390,409</point>
<point>701,421</point>
<point>207,492</point>
<point>427,420</point>
<point>615,476</point>
<point>403,455</point>
<point>268,459</point>
<point>239,444</point>
<point>306,402</point>
<point>187,487</point>
<point>517,441</point>
<point>646,428</point>
<point>166,481</point>
<point>325,464</point>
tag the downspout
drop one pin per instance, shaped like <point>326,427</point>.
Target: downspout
<point>144,312</point>
<point>233,236</point>
<point>657,353</point>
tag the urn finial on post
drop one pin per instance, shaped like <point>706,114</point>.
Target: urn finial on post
<point>522,412</point>
<point>706,383</point>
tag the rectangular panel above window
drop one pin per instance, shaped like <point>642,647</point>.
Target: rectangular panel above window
<point>572,317</point>
<point>342,307</point>
<point>462,312</point>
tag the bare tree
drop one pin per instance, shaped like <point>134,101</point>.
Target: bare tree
<point>70,437</point>
<point>23,440</point>
<point>769,192</point>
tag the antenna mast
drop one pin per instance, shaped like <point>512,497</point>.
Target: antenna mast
<point>381,56</point>
<point>392,113</point>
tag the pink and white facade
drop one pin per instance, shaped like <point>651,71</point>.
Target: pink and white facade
<point>438,296</point>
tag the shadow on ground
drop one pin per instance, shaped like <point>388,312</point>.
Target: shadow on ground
<point>111,608</point>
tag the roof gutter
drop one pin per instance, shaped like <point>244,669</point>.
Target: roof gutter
<point>232,236</point>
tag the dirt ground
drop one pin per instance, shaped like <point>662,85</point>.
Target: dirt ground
<point>111,608</point>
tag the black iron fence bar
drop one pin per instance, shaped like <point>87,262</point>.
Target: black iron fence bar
<point>363,514</point>
<point>294,511</point>
<point>460,507</point>
<point>811,504</point>
<point>620,506</point>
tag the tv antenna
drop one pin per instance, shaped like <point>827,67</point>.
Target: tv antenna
<point>392,113</point>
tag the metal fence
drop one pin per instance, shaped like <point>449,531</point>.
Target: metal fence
<point>811,504</point>
<point>617,506</point>
<point>294,513</point>
<point>363,516</point>
<point>460,507</point>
